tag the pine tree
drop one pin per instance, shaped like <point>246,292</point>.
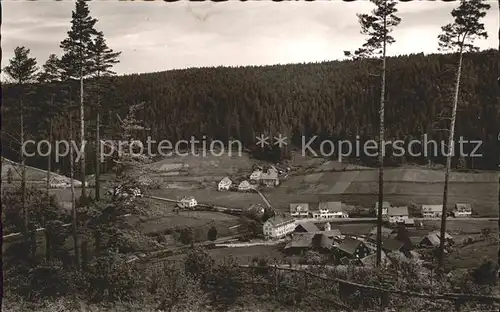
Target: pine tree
<point>459,37</point>
<point>103,59</point>
<point>49,75</point>
<point>377,26</point>
<point>51,70</point>
<point>22,70</point>
<point>76,62</point>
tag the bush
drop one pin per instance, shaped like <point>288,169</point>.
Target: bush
<point>44,280</point>
<point>486,273</point>
<point>186,236</point>
<point>110,278</point>
<point>226,282</point>
<point>212,234</point>
<point>199,265</point>
<point>174,290</point>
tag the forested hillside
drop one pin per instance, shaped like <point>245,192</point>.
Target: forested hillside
<point>336,100</point>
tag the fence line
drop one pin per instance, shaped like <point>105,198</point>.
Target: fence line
<point>457,298</point>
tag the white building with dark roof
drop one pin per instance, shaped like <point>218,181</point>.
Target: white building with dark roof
<point>225,184</point>
<point>188,202</point>
<point>397,214</point>
<point>300,210</point>
<point>432,211</point>
<point>462,210</point>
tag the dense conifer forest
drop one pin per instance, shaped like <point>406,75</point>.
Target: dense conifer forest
<point>335,100</point>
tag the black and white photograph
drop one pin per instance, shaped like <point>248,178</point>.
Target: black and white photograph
<point>312,156</point>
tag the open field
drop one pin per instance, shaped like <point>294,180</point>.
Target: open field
<point>313,180</point>
<point>472,255</point>
<point>243,255</point>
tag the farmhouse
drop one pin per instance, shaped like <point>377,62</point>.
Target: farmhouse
<point>352,248</point>
<point>300,243</point>
<point>432,211</point>
<point>225,184</point>
<point>462,210</point>
<point>385,208</point>
<point>386,232</point>
<point>299,210</point>
<point>244,186</point>
<point>270,178</point>
<point>329,210</point>
<point>306,227</point>
<point>397,214</point>
<point>433,239</point>
<point>392,245</point>
<point>305,241</point>
<point>278,227</point>
<point>255,176</point>
<point>188,202</point>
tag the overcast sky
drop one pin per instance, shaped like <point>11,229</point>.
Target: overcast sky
<point>156,36</point>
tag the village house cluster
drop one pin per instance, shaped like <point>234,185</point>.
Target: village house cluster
<point>266,177</point>
<point>348,249</point>
<point>326,210</point>
<point>400,214</point>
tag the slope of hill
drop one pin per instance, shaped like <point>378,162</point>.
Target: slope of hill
<point>334,100</point>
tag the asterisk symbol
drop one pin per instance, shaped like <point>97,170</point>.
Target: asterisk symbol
<point>280,140</point>
<point>262,140</point>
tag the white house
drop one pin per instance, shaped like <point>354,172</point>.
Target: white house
<point>188,202</point>
<point>244,186</point>
<point>299,210</point>
<point>462,210</point>
<point>255,176</point>
<point>397,214</point>
<point>225,184</point>
<point>270,178</point>
<point>278,227</point>
<point>385,208</point>
<point>432,211</point>
<point>329,210</point>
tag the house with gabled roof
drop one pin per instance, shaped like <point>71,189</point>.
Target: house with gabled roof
<point>256,174</point>
<point>462,210</point>
<point>306,227</point>
<point>225,184</point>
<point>244,186</point>
<point>386,232</point>
<point>397,214</point>
<point>433,239</point>
<point>299,210</point>
<point>270,178</point>
<point>385,207</point>
<point>300,243</point>
<point>188,202</point>
<point>352,248</point>
<point>432,211</point>
<point>392,245</point>
<point>278,226</point>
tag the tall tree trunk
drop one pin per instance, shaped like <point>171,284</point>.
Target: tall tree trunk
<point>73,199</point>
<point>448,162</point>
<point>82,137</point>
<point>381,151</point>
<point>98,158</point>
<point>23,178</point>
<point>49,160</point>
